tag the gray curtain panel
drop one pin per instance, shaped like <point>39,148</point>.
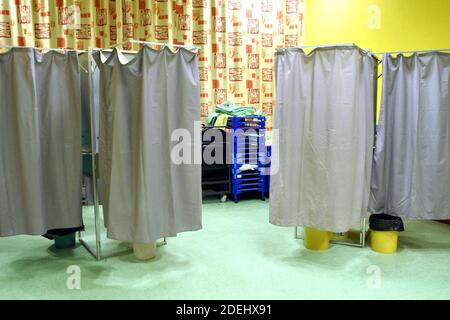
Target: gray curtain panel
<point>40,142</point>
<point>411,171</point>
<point>325,120</point>
<point>85,97</point>
<point>146,196</point>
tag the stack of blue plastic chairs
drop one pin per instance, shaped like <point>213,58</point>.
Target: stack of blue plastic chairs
<point>249,155</point>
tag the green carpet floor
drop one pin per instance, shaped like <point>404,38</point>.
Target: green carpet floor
<point>237,255</point>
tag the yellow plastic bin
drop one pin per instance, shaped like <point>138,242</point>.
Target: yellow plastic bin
<point>384,241</point>
<point>317,240</point>
<point>384,231</point>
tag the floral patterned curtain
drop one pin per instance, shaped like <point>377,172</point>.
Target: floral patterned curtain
<point>237,38</point>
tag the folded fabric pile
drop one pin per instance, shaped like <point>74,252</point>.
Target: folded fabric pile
<point>232,109</point>
<point>219,116</point>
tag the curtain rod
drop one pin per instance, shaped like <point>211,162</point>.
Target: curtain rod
<point>111,49</point>
<point>157,43</point>
<point>412,51</point>
<point>2,46</point>
<point>52,49</point>
<point>346,44</point>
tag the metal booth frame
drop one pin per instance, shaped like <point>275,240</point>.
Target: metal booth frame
<point>363,230</point>
<point>97,251</point>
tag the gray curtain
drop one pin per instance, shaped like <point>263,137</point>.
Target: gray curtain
<point>85,97</point>
<point>411,171</point>
<point>146,196</point>
<point>86,118</point>
<point>325,120</point>
<point>40,142</point>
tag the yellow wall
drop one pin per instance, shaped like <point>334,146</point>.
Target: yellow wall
<point>404,24</point>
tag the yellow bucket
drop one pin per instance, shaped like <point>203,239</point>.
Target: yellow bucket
<point>316,240</point>
<point>384,241</point>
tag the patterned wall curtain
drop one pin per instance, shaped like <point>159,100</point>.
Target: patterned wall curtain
<point>237,37</point>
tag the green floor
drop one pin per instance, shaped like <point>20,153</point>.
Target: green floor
<point>238,255</point>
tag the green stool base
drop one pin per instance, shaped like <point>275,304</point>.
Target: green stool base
<point>65,242</point>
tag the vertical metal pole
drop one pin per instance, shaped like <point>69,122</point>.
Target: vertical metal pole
<point>94,163</point>
<point>361,232</point>
<point>364,227</point>
<point>375,104</point>
<point>375,99</point>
